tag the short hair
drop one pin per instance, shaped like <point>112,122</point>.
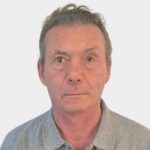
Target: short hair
<point>72,14</point>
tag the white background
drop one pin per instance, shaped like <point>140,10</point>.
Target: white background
<point>23,97</point>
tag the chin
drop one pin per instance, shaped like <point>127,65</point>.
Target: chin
<point>77,108</point>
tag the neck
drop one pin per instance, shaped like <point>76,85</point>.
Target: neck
<point>78,129</point>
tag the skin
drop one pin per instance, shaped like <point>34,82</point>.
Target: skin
<point>75,72</point>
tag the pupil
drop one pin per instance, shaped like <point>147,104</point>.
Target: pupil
<point>59,59</point>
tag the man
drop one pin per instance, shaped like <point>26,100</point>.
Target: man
<point>75,65</point>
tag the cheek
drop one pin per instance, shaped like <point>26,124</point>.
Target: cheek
<point>53,87</point>
<point>97,78</point>
<point>53,79</point>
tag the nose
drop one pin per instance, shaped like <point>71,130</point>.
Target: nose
<point>75,74</point>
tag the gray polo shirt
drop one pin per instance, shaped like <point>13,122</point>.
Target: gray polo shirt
<point>115,133</point>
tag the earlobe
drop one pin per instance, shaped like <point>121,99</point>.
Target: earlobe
<point>41,72</point>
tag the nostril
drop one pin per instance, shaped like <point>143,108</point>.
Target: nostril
<point>78,80</point>
<point>70,80</point>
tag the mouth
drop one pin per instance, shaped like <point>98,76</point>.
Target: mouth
<point>75,94</point>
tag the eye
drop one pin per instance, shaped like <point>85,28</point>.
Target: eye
<point>89,59</point>
<point>60,59</point>
<point>59,62</point>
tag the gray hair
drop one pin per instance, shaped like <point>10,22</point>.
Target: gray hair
<point>69,15</point>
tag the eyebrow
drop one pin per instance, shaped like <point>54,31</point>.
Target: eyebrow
<point>58,51</point>
<point>90,49</point>
<point>62,52</point>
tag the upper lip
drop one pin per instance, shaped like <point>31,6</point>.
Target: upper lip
<point>74,94</point>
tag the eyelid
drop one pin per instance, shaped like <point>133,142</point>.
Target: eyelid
<point>60,55</point>
<point>91,55</point>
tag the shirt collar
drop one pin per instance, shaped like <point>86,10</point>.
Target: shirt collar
<point>105,137</point>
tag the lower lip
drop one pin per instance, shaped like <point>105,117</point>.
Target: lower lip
<point>75,95</point>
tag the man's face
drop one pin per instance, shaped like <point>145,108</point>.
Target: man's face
<point>75,68</point>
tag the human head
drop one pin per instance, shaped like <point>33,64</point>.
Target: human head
<point>69,15</point>
<point>75,68</point>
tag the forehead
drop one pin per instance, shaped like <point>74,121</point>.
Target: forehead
<point>74,38</point>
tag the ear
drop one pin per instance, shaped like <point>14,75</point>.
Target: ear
<point>41,72</point>
<point>108,71</point>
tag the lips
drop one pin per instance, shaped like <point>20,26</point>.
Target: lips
<point>75,94</point>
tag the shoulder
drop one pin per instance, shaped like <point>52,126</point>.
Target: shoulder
<point>130,132</point>
<point>21,137</point>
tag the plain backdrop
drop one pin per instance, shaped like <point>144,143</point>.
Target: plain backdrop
<point>23,97</point>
